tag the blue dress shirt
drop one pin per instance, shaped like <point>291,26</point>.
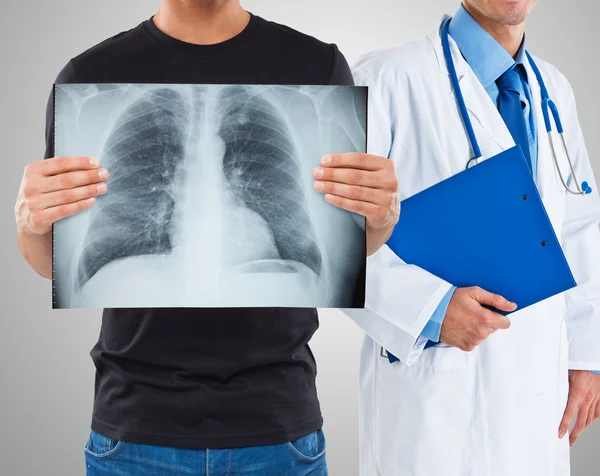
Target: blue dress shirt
<point>489,60</point>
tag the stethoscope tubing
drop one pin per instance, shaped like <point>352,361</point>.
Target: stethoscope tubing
<point>548,106</point>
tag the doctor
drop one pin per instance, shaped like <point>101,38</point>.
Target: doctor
<point>449,387</point>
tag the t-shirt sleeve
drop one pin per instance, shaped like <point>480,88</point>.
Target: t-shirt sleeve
<point>341,75</point>
<point>67,75</point>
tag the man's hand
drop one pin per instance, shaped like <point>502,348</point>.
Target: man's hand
<point>584,397</point>
<point>467,323</point>
<point>56,188</point>
<point>364,184</point>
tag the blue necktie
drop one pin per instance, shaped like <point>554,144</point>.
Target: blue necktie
<point>511,109</point>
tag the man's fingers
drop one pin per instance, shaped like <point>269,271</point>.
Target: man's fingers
<point>355,192</point>
<point>365,209</point>
<point>363,178</point>
<point>76,179</point>
<point>62,197</point>
<point>60,165</point>
<point>494,300</point>
<point>356,160</point>
<point>580,424</point>
<point>54,214</point>
<point>568,416</point>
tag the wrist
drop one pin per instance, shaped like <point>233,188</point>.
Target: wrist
<point>36,249</point>
<point>377,237</point>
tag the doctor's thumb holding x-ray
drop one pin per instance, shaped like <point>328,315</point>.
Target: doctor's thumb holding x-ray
<point>459,381</point>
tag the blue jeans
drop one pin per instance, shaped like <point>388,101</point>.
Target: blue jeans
<point>107,457</point>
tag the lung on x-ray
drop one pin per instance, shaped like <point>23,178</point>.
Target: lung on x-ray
<point>210,199</point>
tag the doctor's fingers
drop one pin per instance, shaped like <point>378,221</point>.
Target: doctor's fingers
<point>594,413</point>
<point>588,412</point>
<point>573,402</point>
<point>567,416</point>
<point>494,300</point>
<point>580,423</point>
<point>494,321</point>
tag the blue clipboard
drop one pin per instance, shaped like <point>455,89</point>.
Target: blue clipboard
<point>486,227</point>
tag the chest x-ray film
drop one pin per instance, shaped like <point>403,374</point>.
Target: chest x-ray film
<point>210,199</point>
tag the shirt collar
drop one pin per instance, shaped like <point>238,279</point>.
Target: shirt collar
<point>486,57</point>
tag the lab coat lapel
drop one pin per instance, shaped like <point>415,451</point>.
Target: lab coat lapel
<point>482,110</point>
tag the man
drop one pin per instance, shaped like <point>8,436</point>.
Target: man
<point>189,391</point>
<point>450,387</point>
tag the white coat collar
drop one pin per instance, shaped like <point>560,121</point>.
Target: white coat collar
<point>478,102</point>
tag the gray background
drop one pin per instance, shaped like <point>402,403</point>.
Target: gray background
<point>47,375</point>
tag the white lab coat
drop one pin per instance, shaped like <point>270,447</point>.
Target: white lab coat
<point>494,411</point>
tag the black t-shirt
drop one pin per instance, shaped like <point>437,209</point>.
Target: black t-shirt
<point>206,378</point>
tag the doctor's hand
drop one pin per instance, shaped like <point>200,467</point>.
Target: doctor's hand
<point>467,323</point>
<point>56,188</point>
<point>584,397</point>
<point>364,184</point>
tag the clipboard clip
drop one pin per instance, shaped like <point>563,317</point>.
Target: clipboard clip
<point>474,161</point>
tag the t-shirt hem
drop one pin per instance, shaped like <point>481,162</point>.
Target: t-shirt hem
<point>207,442</point>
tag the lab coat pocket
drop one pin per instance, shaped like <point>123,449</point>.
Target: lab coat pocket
<point>423,414</point>
<point>442,356</point>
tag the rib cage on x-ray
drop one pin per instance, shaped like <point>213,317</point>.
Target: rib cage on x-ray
<point>261,167</point>
<point>144,151</point>
<point>218,167</point>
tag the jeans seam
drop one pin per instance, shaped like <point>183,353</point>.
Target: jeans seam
<point>207,462</point>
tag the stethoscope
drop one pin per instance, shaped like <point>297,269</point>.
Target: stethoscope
<point>547,106</point>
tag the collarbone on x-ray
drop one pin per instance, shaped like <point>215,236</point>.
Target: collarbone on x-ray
<point>210,200</point>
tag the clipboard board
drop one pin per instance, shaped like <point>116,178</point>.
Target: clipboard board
<point>486,227</point>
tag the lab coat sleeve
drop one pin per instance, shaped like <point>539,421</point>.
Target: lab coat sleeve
<point>433,328</point>
<point>400,298</point>
<point>581,244</point>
